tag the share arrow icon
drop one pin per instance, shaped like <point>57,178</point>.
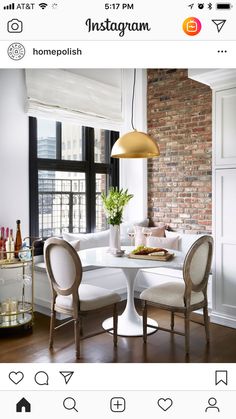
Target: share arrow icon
<point>66,375</point>
<point>219,23</point>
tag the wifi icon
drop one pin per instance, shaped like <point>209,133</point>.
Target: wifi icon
<point>43,5</point>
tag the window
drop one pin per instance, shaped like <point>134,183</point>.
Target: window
<point>65,189</point>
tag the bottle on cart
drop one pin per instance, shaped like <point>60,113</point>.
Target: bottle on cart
<point>2,243</point>
<point>18,240</point>
<point>10,246</point>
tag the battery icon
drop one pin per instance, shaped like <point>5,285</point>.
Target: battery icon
<point>224,6</point>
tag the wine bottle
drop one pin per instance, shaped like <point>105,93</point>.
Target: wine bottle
<point>1,243</point>
<point>12,244</point>
<point>6,237</point>
<point>18,241</point>
<point>8,248</point>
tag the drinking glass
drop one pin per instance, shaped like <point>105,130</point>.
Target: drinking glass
<point>147,233</point>
<point>131,234</point>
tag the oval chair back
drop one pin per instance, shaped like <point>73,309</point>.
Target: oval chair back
<point>197,265</point>
<point>63,267</point>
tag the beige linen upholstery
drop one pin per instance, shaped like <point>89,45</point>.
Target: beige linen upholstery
<point>188,296</point>
<point>69,296</point>
<point>170,294</point>
<point>91,298</point>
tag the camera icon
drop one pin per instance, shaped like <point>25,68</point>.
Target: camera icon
<point>15,26</point>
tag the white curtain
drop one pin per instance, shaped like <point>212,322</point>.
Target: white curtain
<point>62,95</point>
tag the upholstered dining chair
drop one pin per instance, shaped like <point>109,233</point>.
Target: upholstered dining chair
<point>69,295</point>
<point>185,297</point>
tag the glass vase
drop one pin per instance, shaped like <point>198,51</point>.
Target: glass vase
<point>114,239</point>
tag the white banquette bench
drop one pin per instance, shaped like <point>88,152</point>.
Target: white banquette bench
<point>113,279</point>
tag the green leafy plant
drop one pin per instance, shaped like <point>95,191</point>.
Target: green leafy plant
<point>114,204</point>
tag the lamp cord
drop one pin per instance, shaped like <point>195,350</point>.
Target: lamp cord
<point>132,106</point>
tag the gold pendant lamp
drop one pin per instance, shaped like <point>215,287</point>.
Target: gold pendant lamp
<point>135,144</point>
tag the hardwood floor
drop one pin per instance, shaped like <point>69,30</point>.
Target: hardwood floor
<point>161,346</point>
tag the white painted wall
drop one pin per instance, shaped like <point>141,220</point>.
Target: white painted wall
<point>133,172</point>
<point>14,179</point>
<point>223,84</point>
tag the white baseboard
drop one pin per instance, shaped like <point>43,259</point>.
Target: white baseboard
<point>41,309</point>
<point>223,319</point>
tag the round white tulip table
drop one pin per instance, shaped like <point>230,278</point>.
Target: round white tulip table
<point>129,322</point>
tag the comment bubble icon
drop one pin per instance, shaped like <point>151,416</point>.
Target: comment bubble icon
<point>41,378</point>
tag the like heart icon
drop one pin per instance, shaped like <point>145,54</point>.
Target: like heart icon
<point>165,404</point>
<point>16,377</point>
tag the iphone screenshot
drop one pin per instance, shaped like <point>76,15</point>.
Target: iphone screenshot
<point>117,209</point>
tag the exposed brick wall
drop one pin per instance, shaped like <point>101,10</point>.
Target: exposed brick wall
<point>179,181</point>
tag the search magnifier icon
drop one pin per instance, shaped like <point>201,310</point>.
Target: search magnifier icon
<point>69,404</point>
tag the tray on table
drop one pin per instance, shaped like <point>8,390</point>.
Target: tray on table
<point>164,258</point>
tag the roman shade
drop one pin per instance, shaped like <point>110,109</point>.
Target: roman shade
<point>64,95</point>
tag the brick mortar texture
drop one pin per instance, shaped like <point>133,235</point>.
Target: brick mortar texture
<point>180,180</point>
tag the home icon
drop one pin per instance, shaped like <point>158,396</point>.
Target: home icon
<point>23,406</point>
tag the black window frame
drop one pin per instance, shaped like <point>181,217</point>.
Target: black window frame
<point>87,166</point>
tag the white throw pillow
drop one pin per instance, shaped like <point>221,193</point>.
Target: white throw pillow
<point>140,238</point>
<point>187,241</point>
<point>172,233</point>
<point>75,244</point>
<point>89,240</point>
<point>165,242</point>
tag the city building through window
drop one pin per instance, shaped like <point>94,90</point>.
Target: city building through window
<point>70,166</point>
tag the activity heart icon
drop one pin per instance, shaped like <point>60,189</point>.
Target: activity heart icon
<point>16,377</point>
<point>165,404</point>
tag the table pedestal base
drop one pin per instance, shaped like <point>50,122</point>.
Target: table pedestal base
<point>126,328</point>
<point>130,323</point>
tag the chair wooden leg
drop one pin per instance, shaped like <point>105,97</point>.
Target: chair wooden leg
<point>187,327</point>
<point>206,323</point>
<point>145,322</point>
<point>81,326</point>
<point>172,323</point>
<point>115,324</point>
<point>77,337</point>
<point>52,327</point>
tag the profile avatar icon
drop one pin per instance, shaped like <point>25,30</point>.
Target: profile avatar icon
<point>212,404</point>
<point>16,51</point>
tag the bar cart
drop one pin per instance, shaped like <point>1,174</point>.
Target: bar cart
<point>17,289</point>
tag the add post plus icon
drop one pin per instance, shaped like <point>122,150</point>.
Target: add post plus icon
<point>192,26</point>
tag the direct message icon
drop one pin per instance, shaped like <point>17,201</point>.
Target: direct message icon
<point>219,23</point>
<point>66,375</point>
<point>165,404</point>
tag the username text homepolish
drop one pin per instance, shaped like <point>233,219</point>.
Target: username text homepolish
<point>121,27</point>
<point>57,52</point>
